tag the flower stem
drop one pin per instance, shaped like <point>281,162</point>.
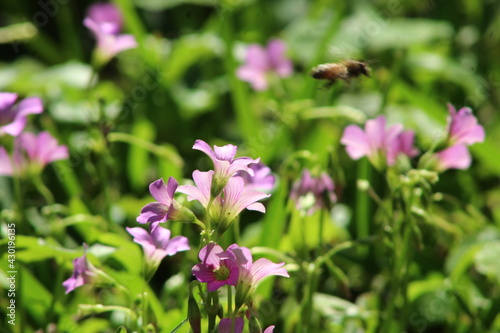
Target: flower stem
<point>42,189</point>
<point>229,302</point>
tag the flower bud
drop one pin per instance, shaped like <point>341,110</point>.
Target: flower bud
<point>254,325</point>
<point>194,315</point>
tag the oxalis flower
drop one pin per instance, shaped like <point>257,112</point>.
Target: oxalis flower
<point>312,193</point>
<point>165,208</point>
<point>226,326</point>
<point>105,22</point>
<point>455,157</point>
<point>463,127</point>
<point>83,272</point>
<point>382,146</point>
<point>13,117</point>
<point>157,244</point>
<point>463,130</point>
<point>260,62</point>
<point>251,273</point>
<point>228,205</point>
<point>262,180</point>
<point>31,153</point>
<point>217,268</point>
<point>225,164</point>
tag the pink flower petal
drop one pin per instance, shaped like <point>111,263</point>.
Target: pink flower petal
<point>5,163</point>
<point>264,267</point>
<point>226,324</point>
<point>201,191</point>
<point>455,157</point>
<point>276,53</point>
<point>356,142</point>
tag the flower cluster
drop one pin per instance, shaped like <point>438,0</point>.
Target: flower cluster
<point>13,117</point>
<point>31,152</point>
<point>260,62</point>
<point>382,146</point>
<point>232,186</point>
<point>234,267</point>
<point>312,193</point>
<point>105,22</point>
<point>83,272</point>
<point>463,130</point>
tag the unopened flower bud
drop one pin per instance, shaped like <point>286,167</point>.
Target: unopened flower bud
<point>254,325</point>
<point>194,315</point>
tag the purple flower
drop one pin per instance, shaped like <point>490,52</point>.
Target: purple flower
<point>107,16</point>
<point>5,163</point>
<point>225,165</point>
<point>251,273</point>
<point>157,243</point>
<point>217,268</point>
<point>13,118</point>
<point>454,157</point>
<point>319,188</point>
<point>225,325</point>
<point>463,127</point>
<point>262,180</point>
<point>158,211</point>
<point>225,207</point>
<point>83,272</point>
<point>31,150</point>
<point>260,62</point>
<point>270,329</point>
<point>105,22</point>
<point>380,145</point>
<point>42,148</point>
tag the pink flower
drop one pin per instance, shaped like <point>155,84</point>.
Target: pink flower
<point>157,243</point>
<point>105,22</point>
<point>13,118</point>
<point>83,272</point>
<point>251,273</point>
<point>31,150</point>
<point>225,207</point>
<point>225,325</point>
<point>225,163</point>
<point>380,145</point>
<point>463,127</point>
<point>156,212</point>
<point>454,157</point>
<point>260,62</point>
<point>262,180</point>
<point>320,188</point>
<point>217,268</point>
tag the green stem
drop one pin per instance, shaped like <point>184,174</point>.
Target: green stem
<point>321,226</point>
<point>363,206</point>
<point>146,145</point>
<point>42,189</point>
<point>307,306</point>
<point>229,302</point>
<point>20,217</point>
<point>363,201</point>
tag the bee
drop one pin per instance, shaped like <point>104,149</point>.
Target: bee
<point>344,70</point>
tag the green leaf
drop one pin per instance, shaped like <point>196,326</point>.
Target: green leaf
<point>486,260</point>
<point>158,5</point>
<point>138,157</point>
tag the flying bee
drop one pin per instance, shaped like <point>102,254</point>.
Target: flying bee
<point>344,70</point>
